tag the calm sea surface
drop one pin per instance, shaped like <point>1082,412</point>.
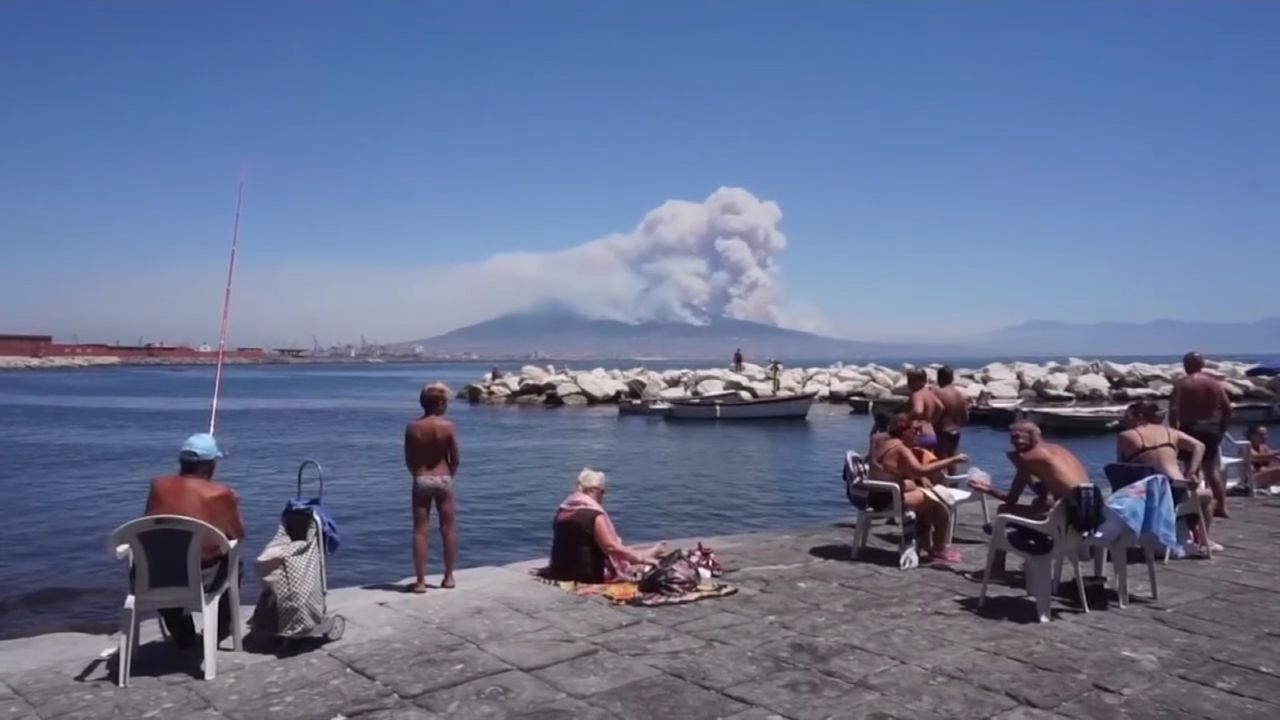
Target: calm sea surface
<point>77,449</point>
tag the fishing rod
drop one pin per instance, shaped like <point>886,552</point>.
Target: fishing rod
<point>226,302</point>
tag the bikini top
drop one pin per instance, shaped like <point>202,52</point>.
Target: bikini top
<point>1169,443</point>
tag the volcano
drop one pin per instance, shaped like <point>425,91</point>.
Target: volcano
<point>559,333</point>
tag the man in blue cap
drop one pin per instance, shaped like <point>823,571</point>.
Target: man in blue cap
<point>195,494</point>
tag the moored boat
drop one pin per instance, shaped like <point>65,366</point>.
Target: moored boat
<point>1075,419</point>
<point>869,406</point>
<point>657,408</point>
<point>996,413</point>
<point>735,407</point>
<point>1250,413</point>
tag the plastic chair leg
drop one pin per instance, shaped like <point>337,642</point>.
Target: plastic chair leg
<point>237,630</point>
<point>860,532</point>
<point>1084,598</point>
<point>209,638</point>
<point>1151,571</point>
<point>1039,572</point>
<point>1120,562</point>
<point>986,574</point>
<point>126,644</point>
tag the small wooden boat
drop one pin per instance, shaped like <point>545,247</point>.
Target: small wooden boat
<point>1257,412</point>
<point>869,406</point>
<point>736,407</point>
<point>658,408</point>
<point>1078,419</point>
<point>997,413</point>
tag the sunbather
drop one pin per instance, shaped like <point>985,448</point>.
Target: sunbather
<point>431,455</point>
<point>1052,471</point>
<point>893,460</point>
<point>1265,461</point>
<point>1147,442</point>
<point>585,546</point>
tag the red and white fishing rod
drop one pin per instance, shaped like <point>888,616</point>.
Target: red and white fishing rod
<point>226,303</point>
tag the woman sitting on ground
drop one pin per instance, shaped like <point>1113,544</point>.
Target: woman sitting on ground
<point>1265,461</point>
<point>893,459</point>
<point>585,547</point>
<point>1145,441</point>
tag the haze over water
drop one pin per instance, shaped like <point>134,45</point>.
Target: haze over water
<point>77,450</point>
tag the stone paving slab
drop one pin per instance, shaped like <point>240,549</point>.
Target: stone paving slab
<point>812,633</point>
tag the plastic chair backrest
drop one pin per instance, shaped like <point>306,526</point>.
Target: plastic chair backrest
<point>1121,475</point>
<point>855,472</point>
<point>166,551</point>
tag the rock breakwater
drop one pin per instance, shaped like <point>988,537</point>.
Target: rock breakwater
<point>1076,380</point>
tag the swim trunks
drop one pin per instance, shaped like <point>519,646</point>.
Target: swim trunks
<point>927,442</point>
<point>1209,433</point>
<point>948,443</point>
<point>426,487</point>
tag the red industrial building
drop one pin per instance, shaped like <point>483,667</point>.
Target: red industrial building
<point>41,346</point>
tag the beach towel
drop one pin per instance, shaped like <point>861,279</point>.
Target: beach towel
<point>301,508</point>
<point>1145,508</point>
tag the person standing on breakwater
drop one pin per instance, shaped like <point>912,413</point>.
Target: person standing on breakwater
<point>1201,408</point>
<point>953,415</point>
<point>195,494</point>
<point>775,371</point>
<point>431,454</point>
<point>925,407</point>
<point>737,360</point>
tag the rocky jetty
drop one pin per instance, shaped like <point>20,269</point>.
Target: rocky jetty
<point>1076,380</point>
<point>55,363</point>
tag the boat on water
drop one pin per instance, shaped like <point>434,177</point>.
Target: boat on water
<point>996,413</point>
<point>1078,419</point>
<point>869,406</point>
<point>658,408</point>
<point>735,407</point>
<point>1250,413</point>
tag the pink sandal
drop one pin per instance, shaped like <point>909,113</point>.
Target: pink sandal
<point>950,556</point>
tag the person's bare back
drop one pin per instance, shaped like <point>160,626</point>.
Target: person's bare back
<point>1057,469</point>
<point>430,447</point>
<point>1200,399</point>
<point>954,411</point>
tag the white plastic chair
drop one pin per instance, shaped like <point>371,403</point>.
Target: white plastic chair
<point>1240,462</point>
<point>1190,508</point>
<point>1041,570</point>
<point>964,496</point>
<point>1119,553</point>
<point>857,469</point>
<point>164,553</point>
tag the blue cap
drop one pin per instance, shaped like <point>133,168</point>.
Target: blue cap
<point>201,447</point>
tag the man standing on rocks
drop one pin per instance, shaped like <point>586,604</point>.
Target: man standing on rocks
<point>431,454</point>
<point>1201,408</point>
<point>953,415</point>
<point>737,360</point>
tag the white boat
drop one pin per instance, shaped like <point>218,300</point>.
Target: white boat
<point>735,407</point>
<point>644,407</point>
<point>1076,419</point>
<point>1250,413</point>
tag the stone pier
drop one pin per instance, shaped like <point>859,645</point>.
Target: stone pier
<point>811,634</point>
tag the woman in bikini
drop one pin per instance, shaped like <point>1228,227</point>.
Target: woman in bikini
<point>893,460</point>
<point>1265,461</point>
<point>1147,442</point>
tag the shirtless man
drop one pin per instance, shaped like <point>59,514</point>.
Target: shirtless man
<point>953,415</point>
<point>1147,442</point>
<point>1200,407</point>
<point>893,460</point>
<point>1053,467</point>
<point>195,494</point>
<point>431,454</point>
<point>926,408</point>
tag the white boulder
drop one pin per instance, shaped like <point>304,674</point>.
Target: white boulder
<point>673,394</point>
<point>710,386</point>
<point>533,373</point>
<point>597,386</point>
<point>1003,389</point>
<point>1090,386</point>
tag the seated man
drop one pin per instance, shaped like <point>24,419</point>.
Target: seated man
<point>1055,471</point>
<point>893,459</point>
<point>585,547</point>
<point>193,493</point>
<point>1145,441</point>
<point>1265,461</point>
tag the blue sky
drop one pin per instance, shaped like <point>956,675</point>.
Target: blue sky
<point>941,168</point>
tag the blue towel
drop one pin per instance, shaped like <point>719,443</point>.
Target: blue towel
<point>331,537</point>
<point>1146,508</point>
